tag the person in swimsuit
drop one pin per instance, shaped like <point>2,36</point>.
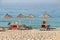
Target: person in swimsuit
<point>43,24</point>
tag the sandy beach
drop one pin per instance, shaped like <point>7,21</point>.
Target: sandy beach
<point>33,34</point>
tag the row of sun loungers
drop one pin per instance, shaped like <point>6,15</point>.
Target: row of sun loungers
<point>24,27</point>
<point>47,28</point>
<point>14,27</point>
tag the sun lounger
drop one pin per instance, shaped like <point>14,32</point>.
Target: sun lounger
<point>48,27</point>
<point>1,29</point>
<point>43,29</point>
<point>23,27</point>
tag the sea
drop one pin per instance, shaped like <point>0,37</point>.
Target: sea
<point>53,11</point>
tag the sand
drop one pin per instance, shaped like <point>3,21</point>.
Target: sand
<point>33,34</point>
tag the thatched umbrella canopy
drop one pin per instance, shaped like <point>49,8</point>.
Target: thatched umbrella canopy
<point>19,16</point>
<point>30,16</point>
<point>44,15</point>
<point>6,16</point>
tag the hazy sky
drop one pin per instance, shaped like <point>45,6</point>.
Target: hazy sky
<point>24,3</point>
<point>48,5</point>
<point>29,1</point>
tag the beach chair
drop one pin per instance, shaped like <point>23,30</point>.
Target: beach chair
<point>12,25</point>
<point>43,29</point>
<point>48,27</point>
<point>1,29</point>
<point>23,27</point>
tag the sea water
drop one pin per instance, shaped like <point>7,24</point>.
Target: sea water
<point>52,10</point>
<point>33,22</point>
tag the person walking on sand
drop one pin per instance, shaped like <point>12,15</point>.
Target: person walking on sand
<point>43,24</point>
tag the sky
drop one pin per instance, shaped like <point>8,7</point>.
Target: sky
<point>49,5</point>
<point>24,3</point>
<point>30,1</point>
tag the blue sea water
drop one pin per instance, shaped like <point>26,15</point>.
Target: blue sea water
<point>53,11</point>
<point>33,22</point>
